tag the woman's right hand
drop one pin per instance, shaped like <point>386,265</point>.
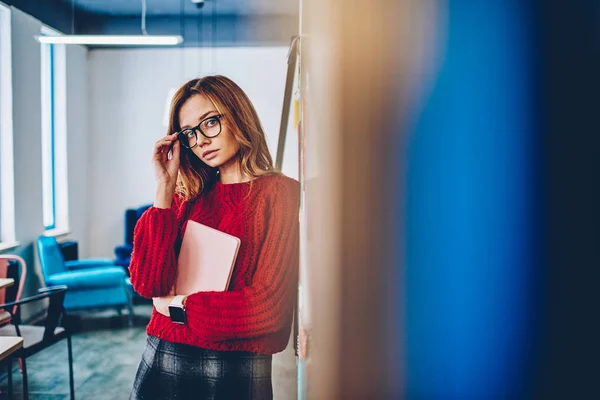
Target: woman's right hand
<point>166,169</point>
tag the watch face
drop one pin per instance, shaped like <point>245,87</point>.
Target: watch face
<point>177,314</point>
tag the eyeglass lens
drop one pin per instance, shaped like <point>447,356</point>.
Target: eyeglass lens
<point>210,127</point>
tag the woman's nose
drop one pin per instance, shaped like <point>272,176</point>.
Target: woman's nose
<point>203,141</point>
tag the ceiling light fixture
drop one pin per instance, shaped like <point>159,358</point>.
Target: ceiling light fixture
<point>115,40</point>
<point>107,40</point>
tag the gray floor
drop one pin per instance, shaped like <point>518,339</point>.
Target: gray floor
<point>106,354</point>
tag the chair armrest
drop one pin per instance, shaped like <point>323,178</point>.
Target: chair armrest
<point>52,289</point>
<point>89,278</point>
<point>89,263</point>
<point>43,293</point>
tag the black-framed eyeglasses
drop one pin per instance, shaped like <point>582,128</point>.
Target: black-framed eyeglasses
<point>209,127</point>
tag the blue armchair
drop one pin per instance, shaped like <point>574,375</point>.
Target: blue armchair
<point>92,283</point>
<point>123,252</point>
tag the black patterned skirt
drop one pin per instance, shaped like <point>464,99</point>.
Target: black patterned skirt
<point>178,371</point>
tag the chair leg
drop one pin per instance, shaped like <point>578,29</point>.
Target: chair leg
<point>131,316</point>
<point>71,381</point>
<point>10,383</point>
<point>25,388</point>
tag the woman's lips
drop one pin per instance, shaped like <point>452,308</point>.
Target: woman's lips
<point>209,154</point>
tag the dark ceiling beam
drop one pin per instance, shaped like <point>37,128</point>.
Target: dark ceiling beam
<point>53,13</point>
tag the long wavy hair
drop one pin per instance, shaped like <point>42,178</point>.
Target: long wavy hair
<point>239,115</point>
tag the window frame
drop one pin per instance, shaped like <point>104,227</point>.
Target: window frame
<point>54,137</point>
<point>7,171</point>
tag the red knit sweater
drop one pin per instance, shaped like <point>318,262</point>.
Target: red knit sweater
<point>255,313</point>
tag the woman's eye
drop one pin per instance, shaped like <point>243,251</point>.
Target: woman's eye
<point>211,122</point>
<point>190,134</point>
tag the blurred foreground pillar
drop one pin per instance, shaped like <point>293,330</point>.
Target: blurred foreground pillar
<point>357,61</point>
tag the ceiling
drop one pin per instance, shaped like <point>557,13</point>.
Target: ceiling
<point>174,7</point>
<point>221,23</point>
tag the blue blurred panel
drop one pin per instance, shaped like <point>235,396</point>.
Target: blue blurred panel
<point>469,217</point>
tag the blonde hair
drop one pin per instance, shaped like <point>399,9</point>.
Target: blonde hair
<point>240,117</point>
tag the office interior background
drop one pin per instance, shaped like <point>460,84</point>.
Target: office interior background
<point>447,153</point>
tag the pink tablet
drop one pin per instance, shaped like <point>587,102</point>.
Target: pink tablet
<point>206,259</point>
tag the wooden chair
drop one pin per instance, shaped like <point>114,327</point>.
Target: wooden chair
<point>37,338</point>
<point>8,269</point>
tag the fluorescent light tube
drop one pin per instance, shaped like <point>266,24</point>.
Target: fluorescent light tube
<point>111,40</point>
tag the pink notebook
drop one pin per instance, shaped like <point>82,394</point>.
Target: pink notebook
<point>206,259</point>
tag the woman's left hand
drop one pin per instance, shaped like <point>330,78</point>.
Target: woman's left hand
<point>162,304</point>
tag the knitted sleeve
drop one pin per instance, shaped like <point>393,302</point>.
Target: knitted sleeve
<point>266,305</point>
<point>153,262</point>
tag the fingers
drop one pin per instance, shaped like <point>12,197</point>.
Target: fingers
<point>164,141</point>
<point>176,150</point>
<point>162,146</point>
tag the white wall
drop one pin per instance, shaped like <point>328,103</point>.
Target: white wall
<point>27,119</point>
<point>128,94</point>
<point>77,146</point>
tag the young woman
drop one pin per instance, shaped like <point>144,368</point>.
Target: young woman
<point>215,169</point>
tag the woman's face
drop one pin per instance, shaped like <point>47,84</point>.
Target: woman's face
<point>217,152</point>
